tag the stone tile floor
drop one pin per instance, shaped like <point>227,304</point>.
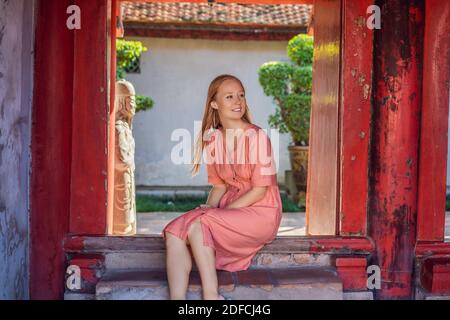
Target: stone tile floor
<point>292,223</point>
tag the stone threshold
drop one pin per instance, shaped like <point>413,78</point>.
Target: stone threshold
<point>320,283</point>
<point>282,244</point>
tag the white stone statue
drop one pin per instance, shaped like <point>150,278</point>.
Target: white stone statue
<point>124,217</point>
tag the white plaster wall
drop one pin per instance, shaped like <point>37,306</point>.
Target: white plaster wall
<point>176,74</point>
<point>16,34</point>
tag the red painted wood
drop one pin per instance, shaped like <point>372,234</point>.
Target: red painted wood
<point>50,148</point>
<point>88,261</point>
<point>247,33</point>
<point>92,267</point>
<point>119,25</point>
<point>322,195</point>
<point>435,275</point>
<point>427,249</point>
<point>396,119</point>
<point>88,203</point>
<point>434,132</point>
<point>356,84</point>
<point>342,244</point>
<point>112,115</point>
<point>155,243</point>
<point>352,272</point>
<point>351,262</point>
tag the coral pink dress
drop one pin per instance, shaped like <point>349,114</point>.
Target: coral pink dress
<point>237,234</point>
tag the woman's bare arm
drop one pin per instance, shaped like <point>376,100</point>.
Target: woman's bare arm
<point>216,193</point>
<point>247,199</point>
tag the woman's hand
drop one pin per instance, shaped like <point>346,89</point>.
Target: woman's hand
<point>204,205</point>
<point>247,199</point>
<point>216,194</point>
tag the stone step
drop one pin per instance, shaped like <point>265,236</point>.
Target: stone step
<point>157,260</point>
<point>423,294</point>
<point>305,283</point>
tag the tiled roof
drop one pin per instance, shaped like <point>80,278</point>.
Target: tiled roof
<point>217,13</point>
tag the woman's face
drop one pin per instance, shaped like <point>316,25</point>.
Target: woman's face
<point>230,100</point>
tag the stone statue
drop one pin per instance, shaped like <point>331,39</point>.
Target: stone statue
<point>124,217</point>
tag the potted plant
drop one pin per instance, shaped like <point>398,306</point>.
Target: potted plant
<point>290,83</point>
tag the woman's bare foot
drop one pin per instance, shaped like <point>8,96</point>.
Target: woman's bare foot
<point>218,297</point>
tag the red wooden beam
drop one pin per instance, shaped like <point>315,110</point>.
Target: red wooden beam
<point>88,204</point>
<point>356,82</point>
<point>50,148</point>
<point>155,243</point>
<point>427,249</point>
<point>353,272</point>
<point>394,161</point>
<point>434,131</point>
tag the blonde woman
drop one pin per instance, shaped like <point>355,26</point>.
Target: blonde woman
<point>243,210</point>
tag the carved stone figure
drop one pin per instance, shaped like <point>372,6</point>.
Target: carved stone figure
<point>124,217</point>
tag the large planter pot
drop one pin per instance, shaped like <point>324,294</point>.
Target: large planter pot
<point>298,156</point>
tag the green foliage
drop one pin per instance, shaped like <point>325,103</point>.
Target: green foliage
<point>300,50</point>
<point>128,52</point>
<point>290,206</point>
<point>152,204</point>
<point>290,85</point>
<point>143,103</point>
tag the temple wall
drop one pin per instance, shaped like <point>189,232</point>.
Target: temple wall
<point>16,37</point>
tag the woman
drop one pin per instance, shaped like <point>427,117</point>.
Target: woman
<point>243,210</point>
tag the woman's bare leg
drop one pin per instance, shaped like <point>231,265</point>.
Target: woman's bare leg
<point>179,265</point>
<point>205,260</point>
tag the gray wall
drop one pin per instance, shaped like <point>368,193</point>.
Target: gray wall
<point>176,74</point>
<point>16,34</point>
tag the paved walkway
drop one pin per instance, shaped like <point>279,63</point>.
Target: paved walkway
<point>292,223</point>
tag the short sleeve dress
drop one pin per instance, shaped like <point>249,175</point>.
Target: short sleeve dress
<point>237,234</point>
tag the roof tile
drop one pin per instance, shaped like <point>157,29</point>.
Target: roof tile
<point>217,13</point>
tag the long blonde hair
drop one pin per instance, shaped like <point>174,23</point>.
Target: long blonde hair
<point>211,119</point>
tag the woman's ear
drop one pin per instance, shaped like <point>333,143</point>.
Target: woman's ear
<point>214,105</point>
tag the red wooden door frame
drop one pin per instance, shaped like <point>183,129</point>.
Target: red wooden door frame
<point>72,151</point>
<point>434,126</point>
<point>90,213</point>
<point>355,117</point>
<point>50,149</point>
<point>350,193</point>
<point>68,183</point>
<point>90,124</point>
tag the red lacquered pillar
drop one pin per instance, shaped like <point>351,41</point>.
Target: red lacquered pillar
<point>395,139</point>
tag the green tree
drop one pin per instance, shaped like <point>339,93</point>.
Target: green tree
<point>127,54</point>
<point>290,83</point>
